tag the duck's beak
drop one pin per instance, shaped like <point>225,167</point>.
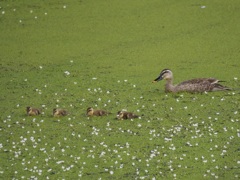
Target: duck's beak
<point>159,78</point>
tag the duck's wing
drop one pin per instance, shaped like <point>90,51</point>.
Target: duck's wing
<point>63,112</point>
<point>99,112</point>
<point>215,86</point>
<point>38,111</point>
<point>131,115</point>
<point>135,116</point>
<point>201,85</point>
<point>102,112</point>
<point>212,80</point>
<point>197,85</point>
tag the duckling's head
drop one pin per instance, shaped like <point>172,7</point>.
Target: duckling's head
<point>28,109</point>
<point>89,111</point>
<point>54,110</point>
<point>120,114</point>
<point>165,74</point>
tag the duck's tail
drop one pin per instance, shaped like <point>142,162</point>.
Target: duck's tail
<point>219,87</point>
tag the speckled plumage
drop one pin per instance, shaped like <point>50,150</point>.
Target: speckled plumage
<point>192,86</point>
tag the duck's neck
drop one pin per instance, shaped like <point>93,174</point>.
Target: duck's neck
<point>169,87</point>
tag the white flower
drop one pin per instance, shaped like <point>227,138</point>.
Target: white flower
<point>59,162</point>
<point>238,134</point>
<point>67,73</point>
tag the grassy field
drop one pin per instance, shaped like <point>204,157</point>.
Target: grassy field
<point>105,54</point>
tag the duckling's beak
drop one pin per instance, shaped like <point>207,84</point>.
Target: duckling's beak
<point>159,78</point>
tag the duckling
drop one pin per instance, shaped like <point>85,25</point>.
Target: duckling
<point>92,112</point>
<point>59,112</point>
<point>192,86</point>
<point>32,111</point>
<point>126,115</point>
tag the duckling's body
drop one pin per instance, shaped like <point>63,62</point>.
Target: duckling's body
<point>192,86</point>
<point>92,112</point>
<point>126,115</point>
<point>59,112</point>
<point>32,111</point>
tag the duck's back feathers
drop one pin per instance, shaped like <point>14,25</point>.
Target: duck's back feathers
<point>100,113</point>
<point>201,85</point>
<point>200,81</point>
<point>126,115</point>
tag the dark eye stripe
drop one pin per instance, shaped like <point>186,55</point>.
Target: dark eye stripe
<point>165,71</point>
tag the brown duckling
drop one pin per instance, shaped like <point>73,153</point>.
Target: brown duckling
<point>192,86</point>
<point>126,115</point>
<point>59,112</point>
<point>92,112</point>
<point>32,111</point>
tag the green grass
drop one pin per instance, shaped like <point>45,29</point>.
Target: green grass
<point>113,50</point>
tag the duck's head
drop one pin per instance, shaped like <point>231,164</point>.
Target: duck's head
<point>120,114</point>
<point>28,108</point>
<point>89,111</point>
<point>54,110</point>
<point>165,74</point>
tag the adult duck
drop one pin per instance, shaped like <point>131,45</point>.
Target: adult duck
<point>192,86</point>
